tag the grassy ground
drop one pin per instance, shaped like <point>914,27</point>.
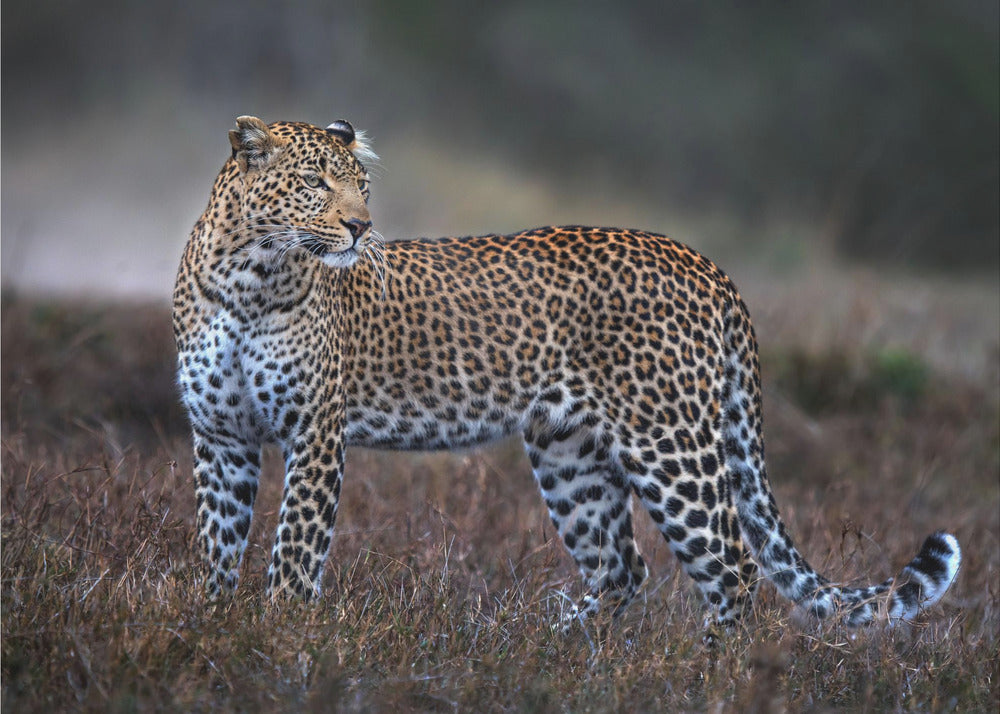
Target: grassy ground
<point>445,574</point>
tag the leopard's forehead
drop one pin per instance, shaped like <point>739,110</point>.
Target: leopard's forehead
<point>306,142</point>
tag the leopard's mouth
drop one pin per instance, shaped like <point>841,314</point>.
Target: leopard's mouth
<point>337,251</point>
<point>320,246</point>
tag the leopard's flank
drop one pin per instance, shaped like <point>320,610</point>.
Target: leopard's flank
<point>626,361</point>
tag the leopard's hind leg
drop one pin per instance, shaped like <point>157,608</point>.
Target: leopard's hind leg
<point>691,502</point>
<point>670,446</point>
<point>590,505</point>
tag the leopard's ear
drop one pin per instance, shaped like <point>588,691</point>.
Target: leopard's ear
<point>355,141</point>
<point>343,130</point>
<point>254,146</point>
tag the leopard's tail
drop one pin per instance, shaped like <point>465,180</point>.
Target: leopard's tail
<point>920,584</point>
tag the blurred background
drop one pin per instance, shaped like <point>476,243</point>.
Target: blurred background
<point>817,146</point>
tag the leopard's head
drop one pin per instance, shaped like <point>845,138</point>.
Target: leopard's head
<point>304,188</point>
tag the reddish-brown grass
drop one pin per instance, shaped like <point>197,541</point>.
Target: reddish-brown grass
<point>444,578</point>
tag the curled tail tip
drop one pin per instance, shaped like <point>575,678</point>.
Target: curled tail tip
<point>921,584</point>
<point>929,575</point>
<point>939,560</point>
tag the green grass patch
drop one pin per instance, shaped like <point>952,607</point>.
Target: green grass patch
<point>836,380</point>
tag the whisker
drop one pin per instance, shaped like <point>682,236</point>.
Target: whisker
<point>376,255</point>
<point>384,256</point>
<point>247,223</point>
<point>280,239</point>
<point>267,240</point>
<point>253,249</point>
<point>379,276</point>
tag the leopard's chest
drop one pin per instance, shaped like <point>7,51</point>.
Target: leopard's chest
<point>248,382</point>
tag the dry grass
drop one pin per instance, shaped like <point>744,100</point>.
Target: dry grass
<point>444,577</point>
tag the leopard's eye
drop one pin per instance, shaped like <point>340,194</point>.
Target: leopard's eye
<point>313,181</point>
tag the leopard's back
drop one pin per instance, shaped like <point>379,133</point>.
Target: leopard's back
<point>476,336</point>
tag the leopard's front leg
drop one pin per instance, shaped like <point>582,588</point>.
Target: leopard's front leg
<point>226,472</point>
<point>314,467</point>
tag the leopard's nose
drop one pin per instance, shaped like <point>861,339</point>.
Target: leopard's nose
<point>357,227</point>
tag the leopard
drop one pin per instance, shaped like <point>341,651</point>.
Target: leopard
<point>626,361</point>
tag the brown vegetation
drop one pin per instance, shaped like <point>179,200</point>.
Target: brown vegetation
<point>444,578</point>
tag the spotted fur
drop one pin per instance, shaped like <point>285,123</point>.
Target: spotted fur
<point>626,360</point>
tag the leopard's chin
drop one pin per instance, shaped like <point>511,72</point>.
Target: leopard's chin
<point>340,259</point>
<point>335,257</point>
